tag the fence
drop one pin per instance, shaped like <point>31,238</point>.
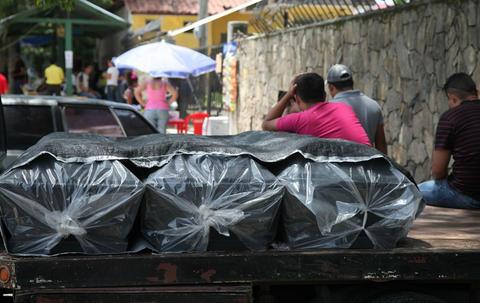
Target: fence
<point>275,15</point>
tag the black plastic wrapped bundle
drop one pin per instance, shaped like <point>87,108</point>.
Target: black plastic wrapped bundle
<point>50,207</point>
<point>343,205</point>
<point>193,194</point>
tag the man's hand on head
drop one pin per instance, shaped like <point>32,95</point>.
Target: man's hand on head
<point>270,121</point>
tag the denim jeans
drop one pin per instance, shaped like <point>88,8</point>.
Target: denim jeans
<point>158,117</point>
<point>439,193</point>
<point>112,93</point>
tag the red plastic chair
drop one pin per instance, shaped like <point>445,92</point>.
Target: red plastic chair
<point>179,124</point>
<point>197,121</point>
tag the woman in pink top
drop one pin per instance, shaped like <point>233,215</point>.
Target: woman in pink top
<point>317,117</point>
<point>156,106</point>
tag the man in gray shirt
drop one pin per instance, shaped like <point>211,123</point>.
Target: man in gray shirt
<point>369,113</point>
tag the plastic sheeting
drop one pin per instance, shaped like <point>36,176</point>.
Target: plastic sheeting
<point>192,194</point>
<point>69,193</point>
<point>50,207</point>
<point>340,205</point>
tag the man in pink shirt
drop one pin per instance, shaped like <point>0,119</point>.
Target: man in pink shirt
<point>317,117</point>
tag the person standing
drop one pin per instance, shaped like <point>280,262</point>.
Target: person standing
<point>129,95</point>
<point>457,137</point>
<point>369,113</point>
<point>185,95</point>
<point>20,77</point>
<point>3,84</point>
<point>156,104</point>
<point>83,83</point>
<point>54,78</point>
<point>111,75</point>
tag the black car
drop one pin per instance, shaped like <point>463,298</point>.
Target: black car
<point>29,118</point>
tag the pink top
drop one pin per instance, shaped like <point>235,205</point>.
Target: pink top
<point>326,120</point>
<point>157,98</point>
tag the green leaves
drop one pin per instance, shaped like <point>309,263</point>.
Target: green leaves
<point>10,7</point>
<point>66,5</point>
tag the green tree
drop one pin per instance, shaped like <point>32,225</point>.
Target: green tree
<point>10,7</point>
<point>67,4</point>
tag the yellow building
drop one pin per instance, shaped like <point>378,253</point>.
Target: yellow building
<point>167,15</point>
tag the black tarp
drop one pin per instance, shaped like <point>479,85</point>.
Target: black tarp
<point>155,150</point>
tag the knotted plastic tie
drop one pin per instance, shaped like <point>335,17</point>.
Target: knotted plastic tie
<point>219,219</point>
<point>64,224</point>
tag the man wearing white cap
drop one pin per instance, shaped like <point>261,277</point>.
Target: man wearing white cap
<point>369,113</point>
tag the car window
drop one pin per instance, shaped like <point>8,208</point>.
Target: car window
<point>94,120</point>
<point>26,124</point>
<point>133,123</point>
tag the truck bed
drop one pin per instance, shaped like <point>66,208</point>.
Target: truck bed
<point>444,245</point>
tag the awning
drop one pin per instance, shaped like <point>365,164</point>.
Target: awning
<point>88,18</point>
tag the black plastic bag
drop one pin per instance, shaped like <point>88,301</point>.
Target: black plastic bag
<point>193,194</point>
<point>50,207</point>
<point>340,205</point>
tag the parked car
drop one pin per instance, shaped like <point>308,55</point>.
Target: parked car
<point>29,118</point>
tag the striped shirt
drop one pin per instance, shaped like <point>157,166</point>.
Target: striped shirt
<point>458,131</point>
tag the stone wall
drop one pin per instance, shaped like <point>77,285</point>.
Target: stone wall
<point>401,57</point>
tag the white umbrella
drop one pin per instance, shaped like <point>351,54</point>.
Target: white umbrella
<point>162,59</point>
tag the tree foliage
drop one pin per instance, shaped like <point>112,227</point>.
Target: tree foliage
<point>10,7</point>
<point>67,4</point>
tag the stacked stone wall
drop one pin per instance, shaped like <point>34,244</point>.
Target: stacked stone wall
<point>400,57</point>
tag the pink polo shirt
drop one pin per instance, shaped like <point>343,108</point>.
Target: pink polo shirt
<point>326,120</point>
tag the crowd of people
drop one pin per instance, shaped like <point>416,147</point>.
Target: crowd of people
<point>351,115</point>
<point>155,96</point>
<point>89,81</point>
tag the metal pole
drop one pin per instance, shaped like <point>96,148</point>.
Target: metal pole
<point>203,41</point>
<point>203,13</point>
<point>68,47</point>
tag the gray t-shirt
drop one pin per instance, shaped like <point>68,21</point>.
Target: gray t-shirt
<point>367,110</point>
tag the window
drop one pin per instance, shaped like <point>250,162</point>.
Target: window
<point>223,38</point>
<point>132,123</point>
<point>94,120</point>
<point>25,124</point>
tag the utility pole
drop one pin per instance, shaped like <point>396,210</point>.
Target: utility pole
<point>203,13</point>
<point>203,43</point>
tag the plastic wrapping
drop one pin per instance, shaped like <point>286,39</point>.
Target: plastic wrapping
<point>69,193</point>
<point>343,205</point>
<point>49,207</point>
<point>194,194</point>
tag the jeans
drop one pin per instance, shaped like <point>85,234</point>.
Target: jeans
<point>112,93</point>
<point>439,193</point>
<point>158,117</point>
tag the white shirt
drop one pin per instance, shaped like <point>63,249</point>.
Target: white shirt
<point>82,80</point>
<point>113,72</point>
